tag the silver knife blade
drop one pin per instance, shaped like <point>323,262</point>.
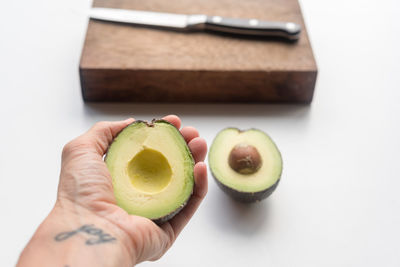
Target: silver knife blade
<point>140,17</point>
<point>287,30</point>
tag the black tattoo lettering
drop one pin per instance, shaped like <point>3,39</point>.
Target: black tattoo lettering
<point>99,235</point>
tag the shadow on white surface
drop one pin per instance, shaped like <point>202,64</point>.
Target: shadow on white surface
<point>246,219</point>
<point>237,110</point>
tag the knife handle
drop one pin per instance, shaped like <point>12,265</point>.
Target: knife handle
<point>288,30</point>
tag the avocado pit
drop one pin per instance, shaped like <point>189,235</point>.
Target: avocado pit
<point>244,159</point>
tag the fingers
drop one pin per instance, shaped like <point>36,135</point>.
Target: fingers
<point>173,119</point>
<point>198,147</point>
<point>189,133</point>
<point>102,133</point>
<point>200,190</point>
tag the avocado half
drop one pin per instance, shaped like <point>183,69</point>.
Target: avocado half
<point>246,165</point>
<point>152,170</point>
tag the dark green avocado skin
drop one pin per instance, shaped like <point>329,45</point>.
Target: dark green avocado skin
<point>247,197</point>
<point>169,216</point>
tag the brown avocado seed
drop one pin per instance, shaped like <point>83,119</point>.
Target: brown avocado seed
<point>244,159</point>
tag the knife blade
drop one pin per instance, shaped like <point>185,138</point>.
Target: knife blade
<point>253,27</point>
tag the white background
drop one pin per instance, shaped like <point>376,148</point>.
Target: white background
<point>338,203</point>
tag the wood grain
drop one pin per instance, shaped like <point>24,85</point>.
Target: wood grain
<point>127,63</point>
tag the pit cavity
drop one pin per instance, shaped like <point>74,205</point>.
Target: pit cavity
<point>149,171</point>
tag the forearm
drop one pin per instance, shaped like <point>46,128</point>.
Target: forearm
<point>73,237</point>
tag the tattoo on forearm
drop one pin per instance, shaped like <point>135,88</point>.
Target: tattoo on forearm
<point>99,236</point>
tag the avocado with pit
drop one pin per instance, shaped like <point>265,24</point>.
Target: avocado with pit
<point>151,169</point>
<point>246,165</point>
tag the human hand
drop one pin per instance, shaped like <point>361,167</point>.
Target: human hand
<point>85,197</point>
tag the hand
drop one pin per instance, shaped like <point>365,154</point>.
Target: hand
<point>85,194</point>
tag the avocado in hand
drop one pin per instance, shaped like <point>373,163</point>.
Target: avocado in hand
<point>246,165</point>
<point>152,170</point>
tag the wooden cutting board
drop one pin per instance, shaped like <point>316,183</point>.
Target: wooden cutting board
<point>130,63</point>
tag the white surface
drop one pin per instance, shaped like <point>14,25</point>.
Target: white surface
<point>338,203</point>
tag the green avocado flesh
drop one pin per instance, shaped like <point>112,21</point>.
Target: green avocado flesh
<point>265,177</point>
<point>151,168</point>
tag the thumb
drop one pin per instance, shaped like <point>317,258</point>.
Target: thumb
<point>102,134</point>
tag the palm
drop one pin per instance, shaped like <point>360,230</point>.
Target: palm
<point>85,180</point>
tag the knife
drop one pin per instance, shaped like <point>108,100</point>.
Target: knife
<point>253,27</point>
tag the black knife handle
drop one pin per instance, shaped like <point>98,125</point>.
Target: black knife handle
<point>256,27</point>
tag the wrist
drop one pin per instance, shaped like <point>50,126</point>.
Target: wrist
<point>72,235</point>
